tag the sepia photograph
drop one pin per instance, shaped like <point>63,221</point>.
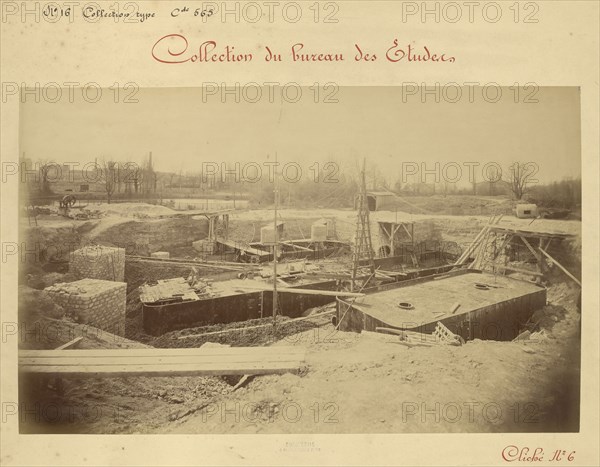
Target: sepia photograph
<point>299,233</point>
<point>285,259</point>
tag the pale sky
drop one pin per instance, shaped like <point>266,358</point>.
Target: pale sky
<point>182,131</point>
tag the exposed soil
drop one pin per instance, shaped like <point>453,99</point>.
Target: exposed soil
<point>482,386</point>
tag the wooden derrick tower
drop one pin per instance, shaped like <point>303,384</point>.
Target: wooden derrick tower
<point>363,248</point>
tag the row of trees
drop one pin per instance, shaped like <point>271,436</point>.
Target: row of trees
<point>564,194</point>
<point>326,186</point>
<point>129,178</point>
<point>115,178</point>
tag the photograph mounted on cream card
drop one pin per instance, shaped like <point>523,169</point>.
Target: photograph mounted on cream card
<point>299,232</point>
<point>252,259</point>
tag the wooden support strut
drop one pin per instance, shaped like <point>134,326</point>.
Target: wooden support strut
<point>471,247</point>
<point>297,247</point>
<point>327,293</point>
<point>561,267</point>
<point>70,344</point>
<point>493,221</point>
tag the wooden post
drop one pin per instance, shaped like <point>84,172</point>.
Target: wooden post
<point>540,259</point>
<point>276,238</point>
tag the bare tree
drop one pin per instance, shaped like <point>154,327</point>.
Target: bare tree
<point>518,178</point>
<point>137,177</point>
<point>44,170</point>
<point>110,176</point>
<point>119,178</point>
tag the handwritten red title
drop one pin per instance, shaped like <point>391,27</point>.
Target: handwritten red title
<point>176,49</point>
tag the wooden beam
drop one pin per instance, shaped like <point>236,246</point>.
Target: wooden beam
<point>561,267</point>
<point>481,251</point>
<point>297,246</point>
<point>540,259</point>
<point>478,239</point>
<point>381,274</point>
<point>463,257</point>
<point>385,230</point>
<point>532,233</point>
<point>163,362</point>
<point>71,343</point>
<point>528,245</point>
<point>328,293</point>
<point>407,232</point>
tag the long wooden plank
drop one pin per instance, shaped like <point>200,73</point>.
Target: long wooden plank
<point>297,246</point>
<point>174,365</point>
<point>561,267</point>
<point>532,233</point>
<point>165,370</point>
<point>328,293</point>
<point>157,362</point>
<point>474,244</point>
<point>71,343</point>
<point>161,358</point>
<point>127,360</point>
<point>153,352</point>
<point>528,245</point>
<point>492,222</point>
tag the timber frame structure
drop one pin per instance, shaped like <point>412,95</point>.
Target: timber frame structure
<point>490,245</point>
<point>390,231</point>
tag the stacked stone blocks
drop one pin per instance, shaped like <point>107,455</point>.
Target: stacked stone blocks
<point>98,262</point>
<point>96,302</point>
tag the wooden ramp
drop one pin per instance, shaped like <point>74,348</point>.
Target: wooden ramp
<point>163,362</point>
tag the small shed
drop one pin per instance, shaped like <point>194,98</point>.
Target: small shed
<point>526,211</point>
<point>377,200</point>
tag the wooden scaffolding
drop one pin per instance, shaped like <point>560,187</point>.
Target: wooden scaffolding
<point>490,250</point>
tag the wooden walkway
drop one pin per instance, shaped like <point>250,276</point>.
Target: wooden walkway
<point>163,362</point>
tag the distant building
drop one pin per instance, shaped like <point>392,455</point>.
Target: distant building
<point>377,200</point>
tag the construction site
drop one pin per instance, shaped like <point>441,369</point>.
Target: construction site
<point>147,319</point>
